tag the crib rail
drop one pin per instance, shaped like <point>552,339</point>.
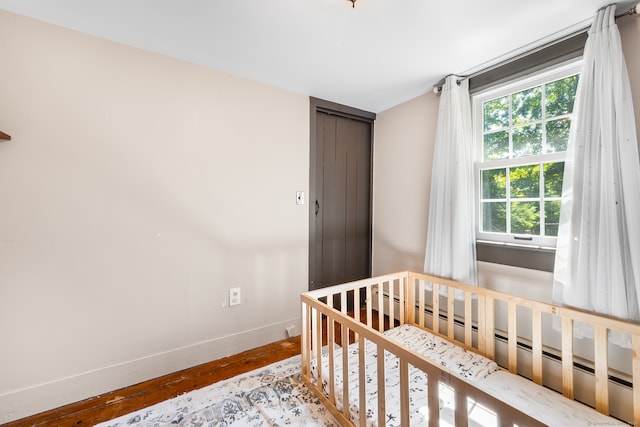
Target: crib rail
<point>515,310</point>
<point>326,323</point>
<point>494,324</point>
<point>324,313</point>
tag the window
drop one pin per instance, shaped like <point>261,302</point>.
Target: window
<point>521,131</point>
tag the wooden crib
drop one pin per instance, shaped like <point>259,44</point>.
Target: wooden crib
<point>353,321</point>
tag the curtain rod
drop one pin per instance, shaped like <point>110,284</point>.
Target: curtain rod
<point>437,88</point>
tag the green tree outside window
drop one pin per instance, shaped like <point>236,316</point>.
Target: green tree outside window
<point>524,199</point>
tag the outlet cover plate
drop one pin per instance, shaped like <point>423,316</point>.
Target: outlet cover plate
<point>234,297</point>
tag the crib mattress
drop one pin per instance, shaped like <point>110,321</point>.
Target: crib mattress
<point>536,401</point>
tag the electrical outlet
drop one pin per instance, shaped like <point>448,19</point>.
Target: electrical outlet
<point>234,297</point>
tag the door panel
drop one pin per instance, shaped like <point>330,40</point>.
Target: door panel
<point>341,250</point>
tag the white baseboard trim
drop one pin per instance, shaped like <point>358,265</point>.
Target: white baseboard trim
<point>43,397</point>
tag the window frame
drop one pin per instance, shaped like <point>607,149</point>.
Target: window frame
<point>544,244</point>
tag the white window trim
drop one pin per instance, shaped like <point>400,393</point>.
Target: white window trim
<point>550,74</point>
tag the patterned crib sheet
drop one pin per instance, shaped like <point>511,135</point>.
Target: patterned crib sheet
<point>417,378</point>
<point>461,362</point>
<point>543,404</point>
<point>464,363</point>
<point>547,406</point>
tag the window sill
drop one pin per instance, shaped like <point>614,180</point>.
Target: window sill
<point>516,255</point>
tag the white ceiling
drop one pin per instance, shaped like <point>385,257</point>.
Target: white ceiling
<point>372,57</point>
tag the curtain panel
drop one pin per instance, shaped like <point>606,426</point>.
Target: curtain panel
<point>450,249</point>
<point>597,264</point>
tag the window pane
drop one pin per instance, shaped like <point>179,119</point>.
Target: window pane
<point>553,173</point>
<point>496,114</point>
<point>551,217</point>
<point>527,140</point>
<point>557,135</point>
<point>525,218</point>
<point>525,181</point>
<point>496,145</point>
<point>525,133</point>
<point>527,106</point>
<point>494,184</point>
<point>494,217</point>
<point>561,95</point>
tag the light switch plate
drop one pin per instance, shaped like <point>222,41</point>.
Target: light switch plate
<point>299,197</point>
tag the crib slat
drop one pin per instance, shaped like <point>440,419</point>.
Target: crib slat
<point>635,343</point>
<point>513,337</point>
<point>345,371</point>
<point>305,343</point>
<point>482,324</point>
<point>369,306</point>
<point>381,386</point>
<point>451,311</point>
<point>404,303</point>
<point>536,338</point>
<point>421,303</point>
<point>600,341</point>
<point>433,396</point>
<point>362,381</point>
<point>330,343</point>
<point>404,392</point>
<point>468,338</point>
<point>392,301</point>
<point>318,345</point>
<point>381,307</point>
<point>490,334</point>
<point>356,304</point>
<point>435,303</point>
<point>567,357</point>
<point>314,333</point>
<point>461,410</point>
<point>331,331</point>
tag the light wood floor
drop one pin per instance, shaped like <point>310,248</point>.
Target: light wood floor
<point>120,402</point>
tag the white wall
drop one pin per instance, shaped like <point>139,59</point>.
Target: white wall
<point>404,142</point>
<point>137,190</point>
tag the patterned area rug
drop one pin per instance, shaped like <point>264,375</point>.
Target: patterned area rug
<point>269,396</point>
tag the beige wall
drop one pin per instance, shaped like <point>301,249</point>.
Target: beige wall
<point>401,183</point>
<point>137,190</point>
<point>404,142</point>
<point>630,34</point>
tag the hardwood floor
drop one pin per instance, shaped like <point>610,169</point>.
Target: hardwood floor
<point>120,402</point>
<point>116,403</point>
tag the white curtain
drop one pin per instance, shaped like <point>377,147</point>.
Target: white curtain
<point>597,265</point>
<point>451,250</point>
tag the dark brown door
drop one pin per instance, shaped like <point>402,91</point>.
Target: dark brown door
<point>340,248</point>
